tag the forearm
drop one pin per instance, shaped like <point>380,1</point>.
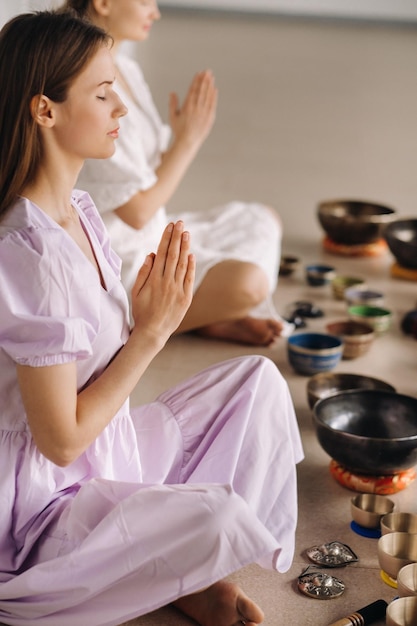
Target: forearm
<point>144,204</point>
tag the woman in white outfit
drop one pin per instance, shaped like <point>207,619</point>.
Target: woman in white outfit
<point>237,246</point>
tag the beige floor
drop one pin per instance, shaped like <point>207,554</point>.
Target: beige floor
<point>308,110</point>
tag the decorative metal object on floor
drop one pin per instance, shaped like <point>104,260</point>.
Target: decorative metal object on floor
<point>319,585</point>
<point>333,554</point>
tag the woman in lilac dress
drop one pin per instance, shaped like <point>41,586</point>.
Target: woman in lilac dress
<point>108,513</point>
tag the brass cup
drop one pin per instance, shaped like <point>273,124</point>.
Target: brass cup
<point>367,509</point>
<point>399,522</point>
<point>407,580</point>
<point>402,612</point>
<point>396,550</point>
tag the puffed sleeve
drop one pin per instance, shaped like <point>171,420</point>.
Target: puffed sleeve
<point>48,306</point>
<point>142,138</point>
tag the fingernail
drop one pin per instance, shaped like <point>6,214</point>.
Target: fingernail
<point>186,235</point>
<point>170,227</point>
<point>179,225</point>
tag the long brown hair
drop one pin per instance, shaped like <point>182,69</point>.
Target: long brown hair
<point>40,53</point>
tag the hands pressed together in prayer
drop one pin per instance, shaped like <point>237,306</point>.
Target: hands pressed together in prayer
<point>163,289</point>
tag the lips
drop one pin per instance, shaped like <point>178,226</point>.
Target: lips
<point>114,133</point>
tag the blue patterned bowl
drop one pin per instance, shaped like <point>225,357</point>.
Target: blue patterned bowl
<point>310,353</point>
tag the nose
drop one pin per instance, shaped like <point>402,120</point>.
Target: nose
<point>156,12</point>
<point>120,108</point>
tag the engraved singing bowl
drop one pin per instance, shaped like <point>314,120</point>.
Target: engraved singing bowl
<point>395,550</point>
<point>368,431</point>
<point>354,221</point>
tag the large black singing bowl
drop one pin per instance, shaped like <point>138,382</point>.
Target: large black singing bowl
<point>368,431</point>
<point>352,222</point>
<point>401,237</point>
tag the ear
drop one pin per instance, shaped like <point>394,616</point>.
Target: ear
<point>101,7</point>
<point>42,110</point>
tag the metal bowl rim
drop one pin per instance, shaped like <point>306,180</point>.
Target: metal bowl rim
<point>352,392</point>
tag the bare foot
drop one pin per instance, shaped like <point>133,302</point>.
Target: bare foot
<point>222,604</point>
<point>248,330</point>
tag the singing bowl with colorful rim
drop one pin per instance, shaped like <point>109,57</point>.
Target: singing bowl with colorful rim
<point>319,274</point>
<point>377,317</point>
<point>359,295</point>
<point>310,353</point>
<point>357,337</point>
<point>367,509</point>
<point>341,283</point>
<point>368,431</point>
<point>327,384</point>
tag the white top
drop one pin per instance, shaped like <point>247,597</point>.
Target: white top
<point>214,233</point>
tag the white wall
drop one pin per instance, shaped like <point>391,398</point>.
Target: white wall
<point>10,8</point>
<point>370,9</point>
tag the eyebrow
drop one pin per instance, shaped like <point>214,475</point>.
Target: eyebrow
<point>107,82</point>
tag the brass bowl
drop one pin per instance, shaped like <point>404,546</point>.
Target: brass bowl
<point>367,509</point>
<point>288,265</point>
<point>395,550</point>
<point>363,295</point>
<point>341,283</point>
<point>354,222</point>
<point>407,580</point>
<point>399,522</point>
<point>402,612</point>
<point>357,337</point>
<point>327,384</point>
<point>378,317</point>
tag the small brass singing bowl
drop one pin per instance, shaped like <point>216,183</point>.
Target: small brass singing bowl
<point>407,581</point>
<point>395,550</point>
<point>367,509</point>
<point>399,522</point>
<point>402,612</point>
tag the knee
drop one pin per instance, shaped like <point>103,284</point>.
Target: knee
<point>252,284</point>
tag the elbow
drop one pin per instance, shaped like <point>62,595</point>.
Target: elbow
<point>133,214</point>
<point>62,457</point>
<point>136,222</point>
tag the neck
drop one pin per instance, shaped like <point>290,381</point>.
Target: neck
<point>51,192</point>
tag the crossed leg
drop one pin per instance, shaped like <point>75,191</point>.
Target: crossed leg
<point>221,305</point>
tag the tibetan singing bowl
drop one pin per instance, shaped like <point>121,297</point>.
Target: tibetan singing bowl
<point>354,222</point>
<point>401,237</point>
<point>395,550</point>
<point>368,431</point>
<point>367,509</point>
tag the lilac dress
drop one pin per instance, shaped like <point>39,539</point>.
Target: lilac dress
<point>172,496</point>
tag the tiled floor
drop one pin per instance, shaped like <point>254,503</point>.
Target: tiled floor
<point>308,110</point>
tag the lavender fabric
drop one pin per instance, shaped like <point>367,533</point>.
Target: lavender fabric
<point>172,496</point>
